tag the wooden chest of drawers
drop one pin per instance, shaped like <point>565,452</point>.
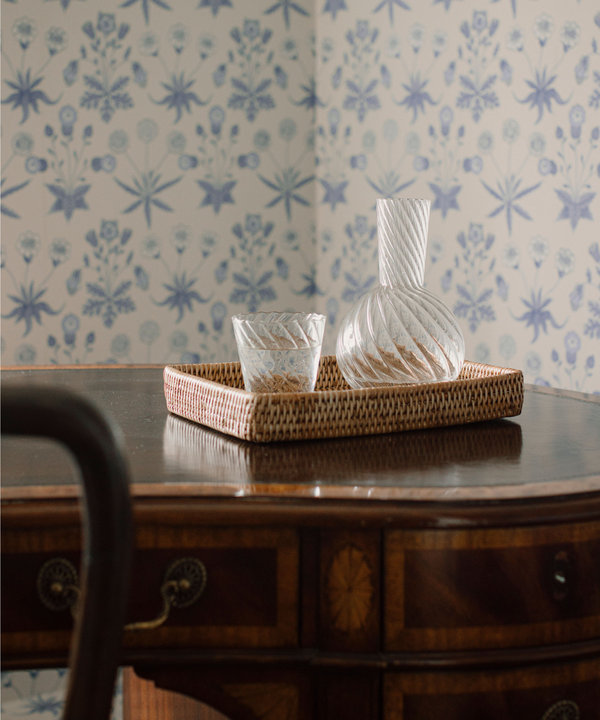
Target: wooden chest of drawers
<point>445,573</point>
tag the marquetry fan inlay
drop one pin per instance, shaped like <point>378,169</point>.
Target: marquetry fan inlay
<point>350,589</point>
<point>268,701</point>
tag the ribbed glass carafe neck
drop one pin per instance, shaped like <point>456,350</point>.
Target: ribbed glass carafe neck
<point>402,236</point>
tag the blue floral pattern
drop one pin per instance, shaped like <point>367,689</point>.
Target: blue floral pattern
<point>160,175</point>
<point>147,183</point>
<point>110,258</point>
<point>474,267</point>
<point>25,84</point>
<point>216,160</point>
<point>105,55</point>
<point>251,93</point>
<point>479,51</point>
<point>68,163</point>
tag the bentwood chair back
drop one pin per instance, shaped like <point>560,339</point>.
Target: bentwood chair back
<point>97,447</point>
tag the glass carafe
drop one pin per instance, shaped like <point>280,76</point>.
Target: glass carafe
<point>399,332</point>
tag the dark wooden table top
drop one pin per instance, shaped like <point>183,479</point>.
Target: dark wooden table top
<point>552,449</point>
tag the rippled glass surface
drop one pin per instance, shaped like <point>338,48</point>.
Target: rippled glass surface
<point>400,332</point>
<point>279,352</point>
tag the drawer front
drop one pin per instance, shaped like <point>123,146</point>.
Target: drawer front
<point>250,598</point>
<point>448,590</point>
<point>555,692</point>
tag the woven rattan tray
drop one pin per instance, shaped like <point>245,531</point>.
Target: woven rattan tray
<point>213,395</point>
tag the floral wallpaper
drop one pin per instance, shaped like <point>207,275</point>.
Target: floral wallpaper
<point>158,175</point>
<point>40,695</point>
<point>491,110</point>
<point>167,165</point>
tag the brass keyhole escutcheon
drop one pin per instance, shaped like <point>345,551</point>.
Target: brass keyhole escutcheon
<point>183,584</point>
<point>58,584</point>
<point>190,576</point>
<point>561,575</point>
<point>562,710</point>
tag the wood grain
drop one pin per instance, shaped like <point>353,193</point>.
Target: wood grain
<point>241,692</point>
<point>251,598</point>
<point>306,512</point>
<point>491,588</point>
<point>521,694</point>
<point>143,701</point>
<point>349,695</point>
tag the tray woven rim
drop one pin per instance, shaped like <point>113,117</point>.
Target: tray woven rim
<point>494,392</point>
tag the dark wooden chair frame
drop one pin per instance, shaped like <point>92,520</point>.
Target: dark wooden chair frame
<point>95,442</point>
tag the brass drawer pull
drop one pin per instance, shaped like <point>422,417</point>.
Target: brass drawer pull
<point>184,582</point>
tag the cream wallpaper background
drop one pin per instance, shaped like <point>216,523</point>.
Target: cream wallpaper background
<point>168,164</point>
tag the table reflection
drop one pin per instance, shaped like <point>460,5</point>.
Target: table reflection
<point>372,460</point>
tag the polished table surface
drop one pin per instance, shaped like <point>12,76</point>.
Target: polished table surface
<point>553,448</point>
<point>441,573</point>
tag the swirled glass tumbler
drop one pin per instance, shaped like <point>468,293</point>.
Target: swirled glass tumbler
<point>399,332</point>
<point>279,351</point>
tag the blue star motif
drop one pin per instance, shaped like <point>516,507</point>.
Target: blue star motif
<point>310,101</point>
<point>389,185</point>
<point>40,705</point>
<point>29,307</point>
<point>355,288</point>
<point>145,190</point>
<point>333,6</point>
<point>311,288</point>
<point>334,193</point>
<point>507,195</point>
<point>286,5</point>
<point>68,201</point>
<point>445,199</point>
<point>181,295</point>
<point>26,93</point>
<point>537,315</point>
<point>217,195</point>
<point>575,209</point>
<point>417,96</point>
<point>9,191</point>
<point>390,4</point>
<point>253,292</point>
<point>214,5</point>
<point>249,98</point>
<point>542,94</point>
<point>361,100</point>
<point>179,95</point>
<point>285,185</point>
<point>146,6</point>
